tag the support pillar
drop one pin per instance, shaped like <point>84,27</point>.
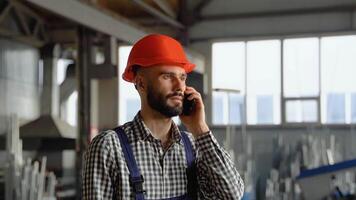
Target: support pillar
<point>49,96</point>
<point>84,62</point>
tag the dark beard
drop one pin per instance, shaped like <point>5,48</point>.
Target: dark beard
<point>159,103</point>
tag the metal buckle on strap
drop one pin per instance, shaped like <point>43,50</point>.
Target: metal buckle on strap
<point>137,184</point>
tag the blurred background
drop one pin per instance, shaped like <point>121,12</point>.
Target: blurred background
<point>277,78</point>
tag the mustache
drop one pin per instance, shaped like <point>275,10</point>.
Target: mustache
<point>175,94</point>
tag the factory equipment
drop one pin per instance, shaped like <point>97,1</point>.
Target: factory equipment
<point>335,181</point>
<point>312,170</point>
<point>244,160</point>
<point>25,181</point>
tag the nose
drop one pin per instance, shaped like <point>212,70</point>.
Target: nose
<point>179,85</point>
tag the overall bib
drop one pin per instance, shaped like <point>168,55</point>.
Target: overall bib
<point>136,179</point>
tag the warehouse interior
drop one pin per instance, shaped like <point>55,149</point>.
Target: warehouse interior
<point>277,78</point>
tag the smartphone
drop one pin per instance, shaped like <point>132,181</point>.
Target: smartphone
<point>188,105</point>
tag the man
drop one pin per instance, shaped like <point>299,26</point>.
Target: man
<point>149,157</point>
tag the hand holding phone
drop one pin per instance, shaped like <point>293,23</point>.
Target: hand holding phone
<point>193,115</point>
<point>188,105</point>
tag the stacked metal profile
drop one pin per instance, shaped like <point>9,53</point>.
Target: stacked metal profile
<point>246,167</point>
<point>25,181</point>
<point>309,153</point>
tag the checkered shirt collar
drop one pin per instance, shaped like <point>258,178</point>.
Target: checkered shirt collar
<point>146,134</point>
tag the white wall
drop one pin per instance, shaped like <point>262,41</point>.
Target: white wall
<point>217,7</point>
<point>274,25</point>
<point>19,87</point>
<point>237,18</point>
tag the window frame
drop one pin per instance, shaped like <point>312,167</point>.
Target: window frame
<point>284,100</point>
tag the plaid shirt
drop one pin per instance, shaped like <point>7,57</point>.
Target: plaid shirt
<point>105,171</point>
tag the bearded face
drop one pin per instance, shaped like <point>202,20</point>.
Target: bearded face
<point>159,101</point>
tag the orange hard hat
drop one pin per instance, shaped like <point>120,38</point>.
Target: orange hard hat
<point>153,50</point>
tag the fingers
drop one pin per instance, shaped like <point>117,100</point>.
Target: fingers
<point>193,94</point>
<point>190,90</point>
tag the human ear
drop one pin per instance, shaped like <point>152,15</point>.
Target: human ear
<point>139,83</point>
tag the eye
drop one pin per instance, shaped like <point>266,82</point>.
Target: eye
<point>166,76</point>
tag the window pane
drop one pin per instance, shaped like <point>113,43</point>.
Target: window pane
<point>301,111</point>
<point>227,108</point>
<point>301,67</point>
<point>263,82</point>
<point>71,109</point>
<point>264,109</point>
<point>353,107</point>
<point>338,77</point>
<point>219,110</point>
<point>133,105</point>
<point>228,73</point>
<point>228,65</point>
<point>128,96</point>
<point>235,108</point>
<point>335,108</point>
<point>62,66</point>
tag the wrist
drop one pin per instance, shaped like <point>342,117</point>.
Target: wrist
<point>200,130</point>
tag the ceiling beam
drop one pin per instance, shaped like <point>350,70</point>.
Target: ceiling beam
<point>339,8</point>
<point>23,30</point>
<point>169,20</point>
<point>201,5</point>
<point>28,39</point>
<point>5,12</point>
<point>166,8</point>
<point>95,18</point>
<point>26,10</point>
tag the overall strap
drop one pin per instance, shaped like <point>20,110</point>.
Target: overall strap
<point>188,149</point>
<point>136,179</point>
<point>192,186</point>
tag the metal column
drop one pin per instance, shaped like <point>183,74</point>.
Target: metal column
<point>84,62</point>
<point>49,97</point>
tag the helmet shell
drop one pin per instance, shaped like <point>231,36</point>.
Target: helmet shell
<point>156,49</point>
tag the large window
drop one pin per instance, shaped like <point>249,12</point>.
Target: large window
<point>69,107</point>
<point>295,80</point>
<point>228,82</point>
<point>301,79</point>
<point>237,63</point>
<point>263,82</point>
<point>338,69</point>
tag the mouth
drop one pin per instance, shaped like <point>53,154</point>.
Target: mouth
<point>177,98</point>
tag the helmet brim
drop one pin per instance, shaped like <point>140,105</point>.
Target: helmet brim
<point>129,76</point>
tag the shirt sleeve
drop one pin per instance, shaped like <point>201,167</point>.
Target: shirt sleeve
<point>98,172</point>
<point>217,175</point>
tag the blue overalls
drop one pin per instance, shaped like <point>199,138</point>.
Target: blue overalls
<point>136,179</point>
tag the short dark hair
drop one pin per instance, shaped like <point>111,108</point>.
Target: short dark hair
<point>134,70</point>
